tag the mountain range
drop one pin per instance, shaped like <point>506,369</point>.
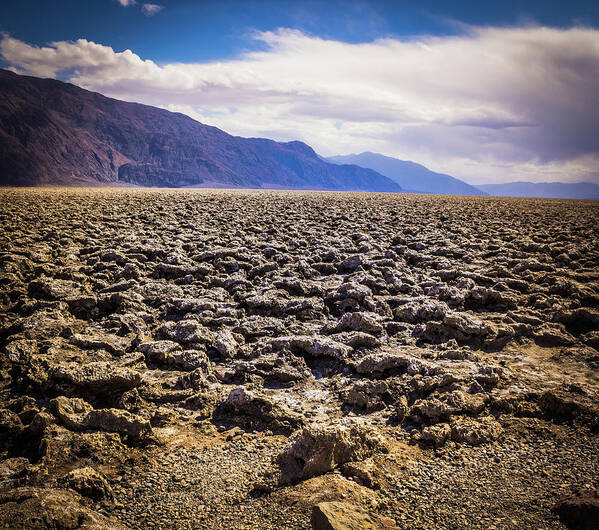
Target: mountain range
<point>548,190</point>
<point>409,175</point>
<point>55,133</point>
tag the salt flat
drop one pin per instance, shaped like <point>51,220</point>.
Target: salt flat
<point>214,358</point>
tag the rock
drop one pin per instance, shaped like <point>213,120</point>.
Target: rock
<point>190,360</point>
<point>78,415</point>
<point>71,412</point>
<point>462,327</point>
<point>158,351</point>
<point>277,368</point>
<point>186,332</point>
<point>579,321</point>
<point>163,416</point>
<point>277,303</point>
<point>490,299</point>
<point>436,435</point>
<point>360,321</point>
<point>319,449</point>
<point>26,508</point>
<point>415,312</point>
<point>345,516</point>
<point>548,336</point>
<point>255,410</point>
<point>226,345</point>
<point>475,431</point>
<point>102,341</point>
<point>10,427</point>
<point>21,350</point>
<point>434,409</point>
<point>53,289</point>
<point>98,377</point>
<point>579,511</point>
<point>350,263</point>
<point>169,354</point>
<point>314,346</point>
<point>402,408</point>
<point>13,472</point>
<point>88,482</point>
<point>201,377</point>
<point>367,395</point>
<point>357,339</point>
<point>383,363</point>
<point>351,296</point>
<point>135,428</point>
<point>566,407</point>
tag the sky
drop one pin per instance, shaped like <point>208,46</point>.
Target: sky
<point>486,91</point>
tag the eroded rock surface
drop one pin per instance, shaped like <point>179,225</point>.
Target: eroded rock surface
<point>426,359</point>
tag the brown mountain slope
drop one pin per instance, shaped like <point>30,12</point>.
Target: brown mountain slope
<point>56,133</point>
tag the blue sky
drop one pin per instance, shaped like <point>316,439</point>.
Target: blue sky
<point>487,91</point>
<point>202,30</point>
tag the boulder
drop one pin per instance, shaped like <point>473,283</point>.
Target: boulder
<point>89,483</point>
<point>435,409</point>
<point>415,312</point>
<point>346,516</point>
<point>135,428</point>
<point>70,412</point>
<point>579,510</point>
<point>316,450</point>
<point>26,508</point>
<point>383,363</point>
<point>225,344</point>
<point>255,410</point>
<point>186,332</point>
<point>360,321</point>
<point>98,377</point>
<point>277,368</point>
<point>10,427</point>
<point>200,378</point>
<point>367,395</point>
<point>436,435</point>
<point>313,346</point>
<point>158,351</point>
<point>13,472</point>
<point>402,408</point>
<point>475,431</point>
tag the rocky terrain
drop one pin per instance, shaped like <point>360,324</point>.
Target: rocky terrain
<point>228,359</point>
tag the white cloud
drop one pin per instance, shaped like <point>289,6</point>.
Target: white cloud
<point>493,104</point>
<point>126,3</point>
<point>151,9</point>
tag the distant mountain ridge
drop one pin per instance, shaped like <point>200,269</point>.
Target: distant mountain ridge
<point>547,190</point>
<point>54,133</point>
<point>409,175</point>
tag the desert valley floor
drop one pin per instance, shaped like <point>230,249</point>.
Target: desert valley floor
<point>232,359</point>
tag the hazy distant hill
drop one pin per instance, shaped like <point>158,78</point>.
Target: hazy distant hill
<point>409,175</point>
<point>56,133</point>
<point>563,190</point>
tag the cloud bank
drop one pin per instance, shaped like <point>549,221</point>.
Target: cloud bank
<point>491,105</point>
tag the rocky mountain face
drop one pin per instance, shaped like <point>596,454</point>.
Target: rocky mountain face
<point>54,133</point>
<point>409,175</point>
<point>547,190</point>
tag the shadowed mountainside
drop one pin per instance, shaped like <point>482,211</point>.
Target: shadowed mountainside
<point>409,175</point>
<point>54,133</point>
<point>547,190</point>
